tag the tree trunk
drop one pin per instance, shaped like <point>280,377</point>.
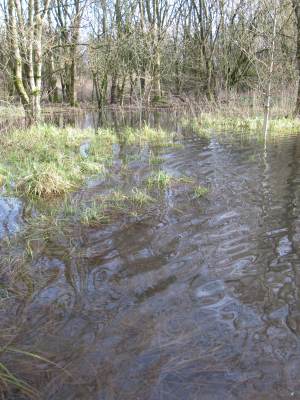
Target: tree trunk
<point>72,77</point>
<point>132,83</point>
<point>52,80</point>
<point>156,91</point>
<point>120,90</point>
<point>113,90</point>
<point>27,71</point>
<point>296,5</point>
<point>270,76</point>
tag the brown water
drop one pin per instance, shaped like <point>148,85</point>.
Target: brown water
<point>195,301</point>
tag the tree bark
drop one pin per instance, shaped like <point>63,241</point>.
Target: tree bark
<point>113,90</point>
<point>27,68</point>
<point>270,75</point>
<point>296,4</point>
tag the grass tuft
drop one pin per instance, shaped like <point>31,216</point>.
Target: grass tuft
<point>117,203</point>
<point>45,181</point>
<point>140,198</point>
<point>155,160</point>
<point>45,161</point>
<point>95,214</point>
<point>218,121</point>
<point>157,137</point>
<point>200,191</point>
<point>160,180</point>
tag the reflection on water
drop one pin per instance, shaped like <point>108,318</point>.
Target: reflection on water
<point>198,301</point>
<point>117,119</point>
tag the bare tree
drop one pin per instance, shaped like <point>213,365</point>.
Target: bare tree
<point>25,31</point>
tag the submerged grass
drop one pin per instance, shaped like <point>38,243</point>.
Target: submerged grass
<point>8,379</point>
<point>220,121</point>
<point>146,134</point>
<point>155,160</point>
<point>162,180</point>
<point>140,198</point>
<point>46,161</point>
<point>159,180</point>
<point>106,208</point>
<point>102,209</point>
<point>200,192</point>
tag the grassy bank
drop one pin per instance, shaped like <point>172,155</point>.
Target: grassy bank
<point>45,161</point>
<point>48,163</point>
<point>220,122</point>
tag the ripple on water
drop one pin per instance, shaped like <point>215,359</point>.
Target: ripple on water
<point>200,301</point>
<point>11,210</point>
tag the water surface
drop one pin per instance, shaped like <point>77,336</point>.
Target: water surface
<point>197,300</point>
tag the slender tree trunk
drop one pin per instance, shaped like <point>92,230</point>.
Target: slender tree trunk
<point>27,71</point>
<point>143,84</point>
<point>72,83</point>
<point>36,93</point>
<point>132,81</point>
<point>73,48</point>
<point>296,4</point>
<point>120,91</point>
<point>156,90</point>
<point>17,62</point>
<point>270,75</point>
<point>113,90</point>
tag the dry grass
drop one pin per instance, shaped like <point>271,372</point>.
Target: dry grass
<point>8,110</point>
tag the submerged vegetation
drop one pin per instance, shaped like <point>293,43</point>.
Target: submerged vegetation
<point>200,191</point>
<point>106,208</point>
<point>48,167</point>
<point>45,161</point>
<point>226,62</point>
<point>220,122</point>
<point>159,180</point>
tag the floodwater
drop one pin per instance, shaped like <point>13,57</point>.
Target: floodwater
<point>199,300</point>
